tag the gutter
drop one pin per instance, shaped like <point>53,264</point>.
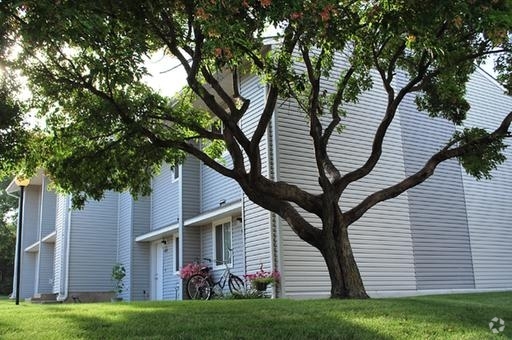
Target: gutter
<point>64,297</point>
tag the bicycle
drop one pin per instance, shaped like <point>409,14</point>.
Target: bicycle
<point>201,286</point>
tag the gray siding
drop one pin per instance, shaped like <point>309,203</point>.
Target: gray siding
<point>215,187</point>
<point>46,266</point>
<point>171,281</point>
<point>381,240</point>
<point>93,245</point>
<point>124,247</point>
<point>164,199</point>
<point>31,223</point>
<point>191,244</point>
<point>48,206</point>
<point>256,219</point>
<point>190,187</point>
<point>206,242</point>
<point>488,203</point>
<point>442,249</point>
<point>140,260</point>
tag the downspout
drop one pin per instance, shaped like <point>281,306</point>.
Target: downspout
<point>181,226</point>
<point>64,297</point>
<point>242,199</point>
<point>272,176</point>
<point>278,259</point>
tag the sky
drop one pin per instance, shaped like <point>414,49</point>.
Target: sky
<point>166,74</point>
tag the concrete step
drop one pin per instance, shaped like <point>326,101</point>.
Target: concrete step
<point>43,298</point>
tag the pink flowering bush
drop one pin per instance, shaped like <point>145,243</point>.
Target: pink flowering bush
<point>262,276</point>
<point>193,268</point>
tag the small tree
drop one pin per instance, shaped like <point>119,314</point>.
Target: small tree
<point>118,274</point>
<point>7,239</point>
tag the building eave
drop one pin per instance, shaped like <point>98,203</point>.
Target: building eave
<point>210,216</point>
<point>158,233</point>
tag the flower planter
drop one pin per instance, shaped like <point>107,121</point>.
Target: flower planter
<point>261,286</point>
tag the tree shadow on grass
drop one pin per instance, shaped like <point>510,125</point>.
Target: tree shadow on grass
<point>209,322</point>
<point>448,317</point>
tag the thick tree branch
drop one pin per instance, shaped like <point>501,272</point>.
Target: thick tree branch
<point>338,98</point>
<point>323,162</point>
<point>268,200</point>
<point>290,193</point>
<point>380,134</point>
<point>289,43</point>
<point>424,173</point>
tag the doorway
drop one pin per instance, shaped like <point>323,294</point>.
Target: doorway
<point>157,270</point>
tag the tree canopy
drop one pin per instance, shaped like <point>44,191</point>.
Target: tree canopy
<point>7,239</point>
<point>107,129</point>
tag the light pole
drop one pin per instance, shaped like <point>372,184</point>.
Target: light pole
<point>21,183</point>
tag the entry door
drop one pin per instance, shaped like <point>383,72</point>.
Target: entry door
<point>157,272</point>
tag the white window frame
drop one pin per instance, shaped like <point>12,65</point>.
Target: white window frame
<point>214,241</point>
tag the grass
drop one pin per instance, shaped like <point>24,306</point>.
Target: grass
<point>464,316</point>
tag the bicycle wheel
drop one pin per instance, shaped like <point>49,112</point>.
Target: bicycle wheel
<point>198,287</point>
<point>235,284</point>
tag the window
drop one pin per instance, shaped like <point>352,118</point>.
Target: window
<point>176,254</point>
<point>175,172</point>
<point>222,242</point>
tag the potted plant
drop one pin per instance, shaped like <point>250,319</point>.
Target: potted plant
<point>118,274</point>
<point>261,279</point>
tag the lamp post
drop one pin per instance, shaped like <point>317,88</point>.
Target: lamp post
<point>21,183</point>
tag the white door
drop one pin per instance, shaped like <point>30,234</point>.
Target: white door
<point>157,271</point>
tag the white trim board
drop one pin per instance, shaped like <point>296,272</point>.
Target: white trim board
<point>214,215</point>
<point>158,233</point>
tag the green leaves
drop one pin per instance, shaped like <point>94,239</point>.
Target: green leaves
<point>107,130</point>
<point>13,134</point>
<point>482,158</point>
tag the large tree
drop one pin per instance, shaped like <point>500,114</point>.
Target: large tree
<point>7,239</point>
<point>106,129</point>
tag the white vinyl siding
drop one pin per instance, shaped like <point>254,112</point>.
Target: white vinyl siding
<point>488,202</point>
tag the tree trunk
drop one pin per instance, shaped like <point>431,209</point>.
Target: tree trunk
<point>345,278</point>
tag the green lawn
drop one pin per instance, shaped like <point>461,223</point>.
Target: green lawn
<point>464,316</point>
